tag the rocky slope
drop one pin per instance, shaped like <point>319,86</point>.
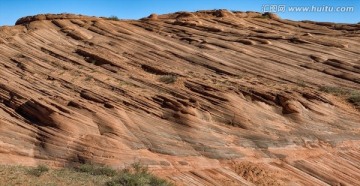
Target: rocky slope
<point>203,98</point>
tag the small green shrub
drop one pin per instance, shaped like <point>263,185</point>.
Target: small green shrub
<point>352,96</point>
<point>114,18</point>
<point>168,79</point>
<point>96,170</point>
<point>139,168</point>
<point>38,171</point>
<point>138,175</point>
<point>355,99</point>
<point>88,78</point>
<point>339,91</point>
<point>301,83</point>
<point>263,16</point>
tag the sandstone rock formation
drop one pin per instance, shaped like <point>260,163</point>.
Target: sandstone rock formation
<point>202,98</point>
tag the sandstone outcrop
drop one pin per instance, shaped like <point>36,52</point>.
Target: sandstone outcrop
<point>202,98</point>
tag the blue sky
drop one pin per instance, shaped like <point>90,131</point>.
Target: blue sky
<point>11,10</point>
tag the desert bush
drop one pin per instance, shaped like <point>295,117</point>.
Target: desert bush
<point>263,16</point>
<point>137,175</point>
<point>168,79</point>
<point>114,18</point>
<point>88,78</point>
<point>38,171</point>
<point>339,91</point>
<point>355,99</point>
<point>301,83</point>
<point>352,96</point>
<point>96,169</point>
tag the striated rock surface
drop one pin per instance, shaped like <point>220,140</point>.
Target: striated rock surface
<point>202,98</point>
